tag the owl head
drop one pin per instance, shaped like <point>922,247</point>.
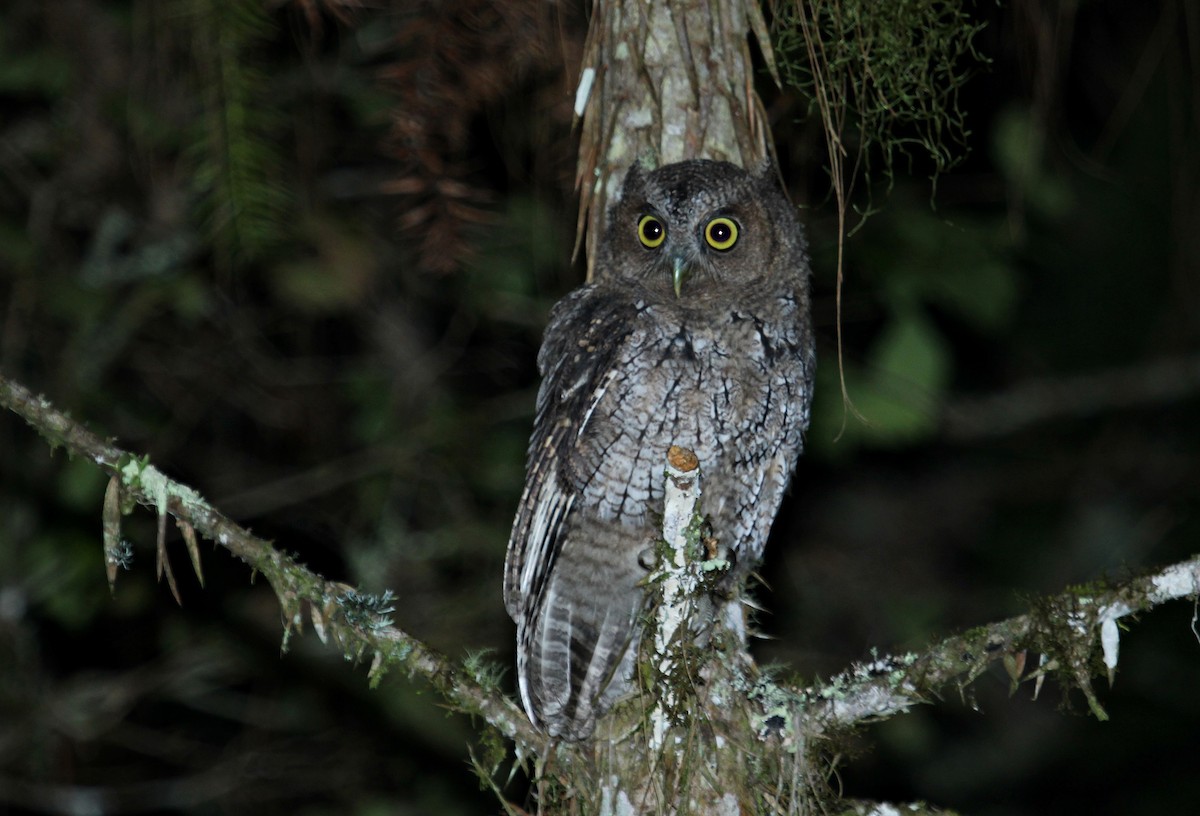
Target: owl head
<point>701,229</point>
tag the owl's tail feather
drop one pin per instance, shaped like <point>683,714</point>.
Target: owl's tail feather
<point>577,659</point>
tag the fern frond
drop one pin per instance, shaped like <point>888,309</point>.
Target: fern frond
<point>238,167</point>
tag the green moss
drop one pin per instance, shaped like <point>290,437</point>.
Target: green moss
<point>137,474</point>
<point>892,70</point>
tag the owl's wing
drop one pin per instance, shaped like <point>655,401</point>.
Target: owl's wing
<point>566,585</point>
<point>578,361</point>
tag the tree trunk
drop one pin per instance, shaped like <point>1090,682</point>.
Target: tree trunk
<point>663,81</point>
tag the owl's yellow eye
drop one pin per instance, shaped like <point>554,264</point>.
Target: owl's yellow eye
<point>721,233</point>
<point>651,231</point>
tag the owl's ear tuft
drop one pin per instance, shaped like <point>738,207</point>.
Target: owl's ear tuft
<point>635,180</point>
<point>767,172</point>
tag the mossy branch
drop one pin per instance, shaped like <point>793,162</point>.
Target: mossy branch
<point>1074,636</point>
<point>356,622</point>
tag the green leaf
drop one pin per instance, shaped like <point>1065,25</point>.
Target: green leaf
<point>911,354</point>
<point>81,485</point>
<point>1019,149</point>
<point>41,73</point>
<point>908,374</point>
<point>898,392</point>
<point>929,261</point>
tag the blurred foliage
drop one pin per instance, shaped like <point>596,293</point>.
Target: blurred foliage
<point>301,255</point>
<point>923,268</point>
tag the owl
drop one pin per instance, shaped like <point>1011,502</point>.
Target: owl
<point>695,331</point>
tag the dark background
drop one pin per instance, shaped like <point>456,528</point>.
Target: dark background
<point>302,257</point>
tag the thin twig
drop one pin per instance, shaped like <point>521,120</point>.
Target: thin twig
<point>1144,383</point>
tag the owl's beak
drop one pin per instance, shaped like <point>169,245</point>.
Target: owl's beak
<point>679,273</point>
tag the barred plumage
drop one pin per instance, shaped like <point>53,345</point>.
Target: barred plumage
<point>695,332</point>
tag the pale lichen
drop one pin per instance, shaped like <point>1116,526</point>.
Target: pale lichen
<point>139,475</point>
<point>1177,581</point>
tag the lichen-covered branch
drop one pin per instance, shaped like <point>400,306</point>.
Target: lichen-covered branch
<point>1074,635</point>
<point>860,807</point>
<point>356,622</point>
<point>740,739</point>
<point>677,577</point>
<point>687,744</point>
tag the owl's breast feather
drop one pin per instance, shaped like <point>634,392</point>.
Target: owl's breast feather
<point>711,383</point>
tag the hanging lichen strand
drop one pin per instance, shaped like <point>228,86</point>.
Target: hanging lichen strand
<point>883,77</point>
